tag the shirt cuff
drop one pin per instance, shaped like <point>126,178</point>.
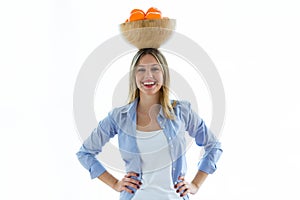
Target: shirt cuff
<point>207,166</point>
<point>96,170</point>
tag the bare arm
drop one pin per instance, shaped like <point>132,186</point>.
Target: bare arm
<point>108,179</point>
<point>199,179</point>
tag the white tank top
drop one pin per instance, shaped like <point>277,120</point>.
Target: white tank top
<point>156,167</point>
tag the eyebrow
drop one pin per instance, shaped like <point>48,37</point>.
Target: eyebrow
<point>152,65</point>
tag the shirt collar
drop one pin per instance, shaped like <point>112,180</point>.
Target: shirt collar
<point>131,107</point>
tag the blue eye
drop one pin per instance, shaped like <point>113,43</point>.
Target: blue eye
<point>155,69</point>
<point>141,70</point>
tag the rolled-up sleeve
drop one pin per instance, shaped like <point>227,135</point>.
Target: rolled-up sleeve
<point>212,154</point>
<point>197,129</point>
<point>93,145</point>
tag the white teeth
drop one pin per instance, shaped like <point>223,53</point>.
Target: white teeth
<point>148,83</point>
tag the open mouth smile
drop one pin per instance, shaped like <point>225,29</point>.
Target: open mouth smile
<point>149,84</point>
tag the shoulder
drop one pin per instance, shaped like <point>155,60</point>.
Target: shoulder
<point>181,104</point>
<point>125,109</point>
<point>119,110</point>
<point>181,108</point>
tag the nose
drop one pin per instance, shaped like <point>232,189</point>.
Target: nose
<point>149,73</point>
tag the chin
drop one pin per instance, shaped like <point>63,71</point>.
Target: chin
<point>150,92</point>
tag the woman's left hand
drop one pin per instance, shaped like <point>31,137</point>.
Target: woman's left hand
<point>183,187</point>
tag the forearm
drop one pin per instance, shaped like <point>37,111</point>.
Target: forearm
<point>108,179</point>
<point>199,178</point>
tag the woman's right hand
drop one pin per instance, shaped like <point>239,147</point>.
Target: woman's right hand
<point>126,182</point>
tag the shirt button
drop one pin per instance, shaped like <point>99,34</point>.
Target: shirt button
<point>169,138</point>
<point>174,169</point>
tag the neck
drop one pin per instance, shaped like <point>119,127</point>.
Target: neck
<point>148,101</point>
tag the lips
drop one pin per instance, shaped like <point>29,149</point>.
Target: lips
<point>149,84</point>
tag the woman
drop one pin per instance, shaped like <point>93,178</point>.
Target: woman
<point>151,133</point>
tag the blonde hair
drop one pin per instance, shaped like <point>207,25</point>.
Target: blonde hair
<point>164,91</point>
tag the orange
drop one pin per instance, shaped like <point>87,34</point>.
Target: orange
<point>153,9</point>
<point>136,15</point>
<point>135,10</point>
<point>153,15</point>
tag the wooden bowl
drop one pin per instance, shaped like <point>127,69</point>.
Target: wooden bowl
<point>148,33</point>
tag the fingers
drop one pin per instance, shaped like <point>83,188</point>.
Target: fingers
<point>185,192</point>
<point>131,182</point>
<point>128,178</point>
<point>130,174</point>
<point>181,183</point>
<point>127,190</point>
<point>128,181</point>
<point>182,187</point>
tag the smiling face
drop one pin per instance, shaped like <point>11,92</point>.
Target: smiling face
<point>146,80</point>
<point>148,75</point>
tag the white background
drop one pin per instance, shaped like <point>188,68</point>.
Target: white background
<point>254,45</point>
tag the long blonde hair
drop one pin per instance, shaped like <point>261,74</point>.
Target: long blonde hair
<point>164,91</point>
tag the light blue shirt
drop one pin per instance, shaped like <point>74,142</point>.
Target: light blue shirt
<point>121,121</point>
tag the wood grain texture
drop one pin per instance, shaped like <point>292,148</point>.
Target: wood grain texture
<point>148,33</point>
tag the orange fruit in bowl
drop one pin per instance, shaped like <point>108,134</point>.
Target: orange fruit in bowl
<point>135,10</point>
<point>153,9</point>
<point>136,15</point>
<point>153,15</point>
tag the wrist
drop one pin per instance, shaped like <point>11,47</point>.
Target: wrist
<point>193,188</point>
<point>114,185</point>
<point>195,184</point>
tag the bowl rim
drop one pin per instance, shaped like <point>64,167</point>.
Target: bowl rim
<point>150,23</point>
